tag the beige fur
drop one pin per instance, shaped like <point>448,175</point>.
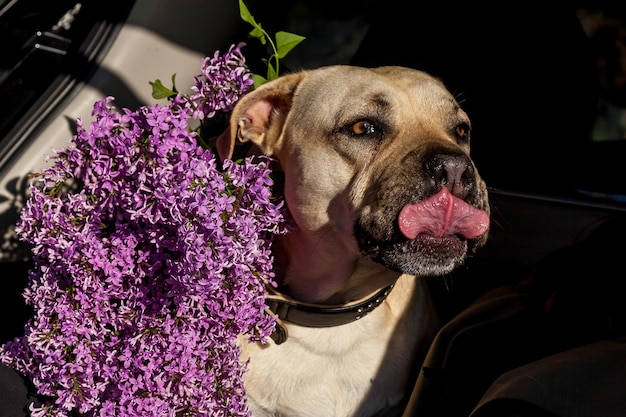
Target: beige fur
<point>345,183</point>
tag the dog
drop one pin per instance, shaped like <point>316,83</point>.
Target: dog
<point>381,192</point>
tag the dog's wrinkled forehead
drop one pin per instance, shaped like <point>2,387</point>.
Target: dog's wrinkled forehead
<point>360,92</point>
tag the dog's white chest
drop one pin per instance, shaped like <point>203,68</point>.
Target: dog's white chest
<point>356,369</point>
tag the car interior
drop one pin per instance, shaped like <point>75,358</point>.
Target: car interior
<point>545,87</point>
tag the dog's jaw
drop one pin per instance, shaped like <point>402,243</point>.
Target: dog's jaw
<point>423,256</point>
<point>430,237</point>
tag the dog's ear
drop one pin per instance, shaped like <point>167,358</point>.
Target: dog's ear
<point>259,116</point>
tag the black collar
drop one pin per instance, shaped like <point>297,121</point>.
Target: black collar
<point>318,315</point>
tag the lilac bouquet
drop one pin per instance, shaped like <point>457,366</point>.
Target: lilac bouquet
<point>151,262</point>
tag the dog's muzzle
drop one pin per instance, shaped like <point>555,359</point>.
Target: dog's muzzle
<point>429,237</point>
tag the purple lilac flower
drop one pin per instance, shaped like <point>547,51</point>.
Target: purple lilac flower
<point>150,263</point>
<point>223,80</point>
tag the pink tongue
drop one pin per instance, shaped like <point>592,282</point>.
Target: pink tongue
<point>442,215</point>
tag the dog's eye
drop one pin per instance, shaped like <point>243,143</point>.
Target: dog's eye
<point>363,127</point>
<point>463,132</point>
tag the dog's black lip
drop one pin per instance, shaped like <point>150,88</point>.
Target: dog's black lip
<point>437,242</point>
<point>370,245</point>
<point>401,240</point>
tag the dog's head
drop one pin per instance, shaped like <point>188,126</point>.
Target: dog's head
<point>376,165</point>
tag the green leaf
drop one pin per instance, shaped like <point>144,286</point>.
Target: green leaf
<point>258,80</point>
<point>174,89</point>
<point>285,42</point>
<point>259,34</point>
<point>246,16</point>
<point>272,74</point>
<point>159,91</point>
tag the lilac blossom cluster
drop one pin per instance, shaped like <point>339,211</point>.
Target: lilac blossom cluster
<point>219,86</point>
<point>150,267</point>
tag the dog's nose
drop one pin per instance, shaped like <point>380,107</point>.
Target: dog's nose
<point>453,171</point>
